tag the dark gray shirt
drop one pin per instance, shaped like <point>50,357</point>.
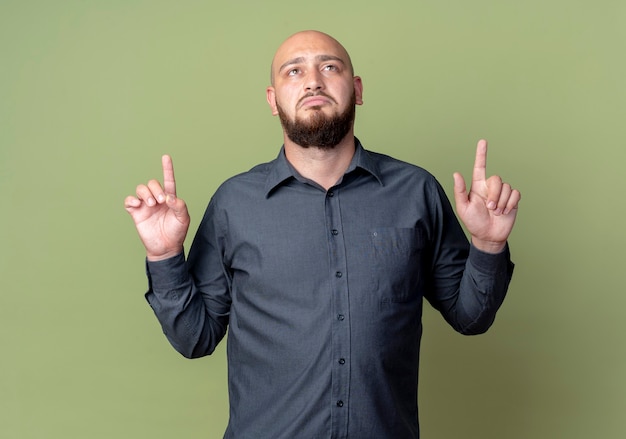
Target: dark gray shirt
<point>322,294</point>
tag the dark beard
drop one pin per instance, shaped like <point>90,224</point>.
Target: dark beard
<point>320,131</point>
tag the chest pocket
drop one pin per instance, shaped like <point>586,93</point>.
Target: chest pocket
<point>397,257</point>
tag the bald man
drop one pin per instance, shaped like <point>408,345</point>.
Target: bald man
<point>318,263</point>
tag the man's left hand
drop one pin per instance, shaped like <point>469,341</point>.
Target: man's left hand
<point>488,211</point>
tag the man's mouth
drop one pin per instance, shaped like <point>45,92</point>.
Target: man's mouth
<point>315,100</point>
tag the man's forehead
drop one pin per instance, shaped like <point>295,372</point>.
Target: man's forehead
<point>313,57</point>
<point>306,45</point>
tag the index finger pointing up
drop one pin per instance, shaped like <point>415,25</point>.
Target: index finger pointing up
<point>169,182</point>
<point>480,163</point>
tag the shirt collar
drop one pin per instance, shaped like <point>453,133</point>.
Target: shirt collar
<point>281,170</point>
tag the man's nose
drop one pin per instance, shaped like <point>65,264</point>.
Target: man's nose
<point>314,81</point>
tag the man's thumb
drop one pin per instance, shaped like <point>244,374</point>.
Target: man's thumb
<point>177,206</point>
<point>460,190</point>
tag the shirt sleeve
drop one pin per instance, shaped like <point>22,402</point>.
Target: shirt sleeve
<point>468,285</point>
<point>483,288</point>
<point>191,298</point>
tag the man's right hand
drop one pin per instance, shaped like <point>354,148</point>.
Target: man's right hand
<point>161,219</point>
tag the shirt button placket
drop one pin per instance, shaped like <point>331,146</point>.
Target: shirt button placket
<point>340,374</point>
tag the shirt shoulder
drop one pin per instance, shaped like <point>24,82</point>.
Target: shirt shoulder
<point>392,170</point>
<point>248,183</point>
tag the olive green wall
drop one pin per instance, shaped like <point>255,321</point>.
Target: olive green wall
<point>93,92</point>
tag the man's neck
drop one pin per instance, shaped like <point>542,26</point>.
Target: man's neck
<point>323,166</point>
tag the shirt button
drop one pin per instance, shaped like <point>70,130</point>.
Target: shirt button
<point>340,317</point>
<point>340,403</point>
<point>331,194</point>
<point>334,232</point>
<point>339,274</point>
<point>342,361</point>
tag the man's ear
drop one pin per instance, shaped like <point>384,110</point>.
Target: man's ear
<point>358,90</point>
<point>270,95</point>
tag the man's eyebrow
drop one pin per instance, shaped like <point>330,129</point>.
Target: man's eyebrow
<point>298,60</point>
<point>301,59</point>
<point>329,58</point>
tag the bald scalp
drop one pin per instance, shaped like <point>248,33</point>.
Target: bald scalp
<point>307,38</point>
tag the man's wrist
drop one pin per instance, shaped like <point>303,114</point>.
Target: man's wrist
<point>161,257</point>
<point>493,247</point>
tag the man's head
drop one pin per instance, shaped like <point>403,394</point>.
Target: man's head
<point>314,90</point>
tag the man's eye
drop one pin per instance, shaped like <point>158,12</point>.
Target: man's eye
<point>330,68</point>
<point>293,72</point>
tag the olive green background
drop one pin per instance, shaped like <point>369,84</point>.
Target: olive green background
<point>93,92</point>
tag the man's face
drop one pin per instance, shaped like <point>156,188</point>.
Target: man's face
<point>313,90</point>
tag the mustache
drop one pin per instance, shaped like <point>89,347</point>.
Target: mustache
<point>317,93</point>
